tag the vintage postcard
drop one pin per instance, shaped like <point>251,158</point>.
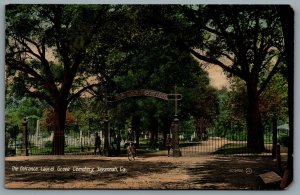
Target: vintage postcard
<point>105,96</point>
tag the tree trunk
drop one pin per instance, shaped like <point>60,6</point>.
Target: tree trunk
<point>59,130</point>
<point>154,133</point>
<point>255,139</point>
<point>201,133</point>
<point>198,128</point>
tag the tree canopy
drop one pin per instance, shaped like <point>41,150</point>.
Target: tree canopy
<point>49,47</point>
<point>247,42</point>
<point>61,53</point>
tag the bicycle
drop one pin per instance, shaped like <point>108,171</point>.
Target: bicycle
<point>131,151</point>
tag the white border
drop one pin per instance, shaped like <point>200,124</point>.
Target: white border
<point>295,185</point>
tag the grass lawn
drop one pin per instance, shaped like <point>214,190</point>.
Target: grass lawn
<point>236,149</point>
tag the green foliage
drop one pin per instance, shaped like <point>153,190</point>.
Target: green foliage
<point>247,42</point>
<point>233,109</point>
<point>284,140</point>
<point>274,102</point>
<point>48,144</point>
<point>231,123</point>
<point>187,129</point>
<point>56,52</point>
<point>159,64</point>
<point>53,51</point>
<point>15,112</point>
<point>23,107</point>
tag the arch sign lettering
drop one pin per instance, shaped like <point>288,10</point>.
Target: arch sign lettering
<point>145,92</point>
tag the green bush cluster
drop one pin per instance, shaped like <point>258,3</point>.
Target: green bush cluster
<point>284,140</point>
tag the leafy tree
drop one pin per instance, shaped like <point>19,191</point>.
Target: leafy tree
<point>88,113</point>
<point>19,109</point>
<point>150,74</point>
<point>247,42</point>
<point>201,103</point>
<point>46,49</point>
<point>274,100</point>
<point>160,63</point>
<point>48,119</point>
<point>230,122</point>
<point>16,111</point>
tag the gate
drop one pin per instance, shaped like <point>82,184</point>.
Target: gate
<point>231,143</point>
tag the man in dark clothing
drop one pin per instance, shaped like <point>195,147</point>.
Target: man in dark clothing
<point>169,143</point>
<point>117,141</point>
<point>97,143</point>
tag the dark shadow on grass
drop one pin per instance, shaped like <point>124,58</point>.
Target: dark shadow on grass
<point>134,169</point>
<point>237,149</point>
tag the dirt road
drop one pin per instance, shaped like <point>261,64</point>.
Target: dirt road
<point>147,172</point>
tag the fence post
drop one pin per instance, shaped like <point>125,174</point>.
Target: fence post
<point>24,150</point>
<point>278,157</point>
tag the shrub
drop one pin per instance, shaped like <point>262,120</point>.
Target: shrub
<point>48,144</point>
<point>284,140</point>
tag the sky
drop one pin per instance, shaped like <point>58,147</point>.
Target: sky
<point>217,77</point>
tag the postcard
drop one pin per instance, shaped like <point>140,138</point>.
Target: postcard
<point>168,96</point>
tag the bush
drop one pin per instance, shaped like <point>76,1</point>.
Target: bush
<point>48,144</point>
<point>284,140</point>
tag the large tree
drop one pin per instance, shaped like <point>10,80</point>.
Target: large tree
<point>247,42</point>
<point>46,49</point>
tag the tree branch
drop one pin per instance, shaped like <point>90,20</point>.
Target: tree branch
<point>228,56</point>
<point>213,31</point>
<point>270,76</point>
<point>21,66</point>
<point>218,63</point>
<point>25,68</point>
<point>78,93</point>
<point>257,58</point>
<point>235,44</point>
<point>268,60</point>
<point>29,49</point>
<point>41,57</point>
<point>32,42</point>
<point>39,95</point>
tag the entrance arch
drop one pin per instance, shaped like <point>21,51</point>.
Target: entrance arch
<point>149,93</point>
<point>144,92</point>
